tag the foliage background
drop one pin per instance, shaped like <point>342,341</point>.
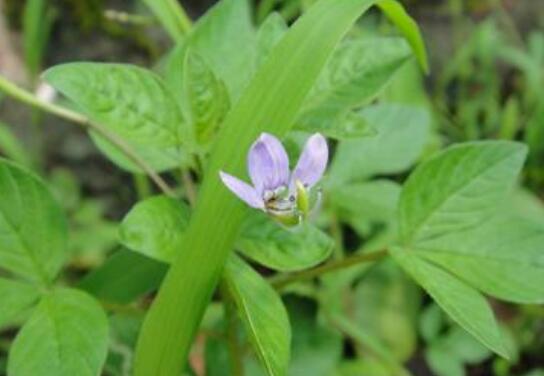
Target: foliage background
<point>487,71</point>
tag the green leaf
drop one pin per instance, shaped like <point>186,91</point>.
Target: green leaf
<point>32,225</point>
<point>386,153</point>
<point>316,349</point>
<point>172,17</point>
<point>385,304</point>
<point>270,103</point>
<point>67,335</point>
<point>269,34</point>
<point>457,189</point>
<point>124,277</point>
<point>276,247</point>
<point>364,204</point>
<point>16,298</point>
<point>12,148</point>
<point>263,315</point>
<point>464,304</point>
<point>356,73</point>
<point>160,159</point>
<point>155,227</point>
<point>132,102</point>
<point>225,38</point>
<point>408,28</point>
<point>206,97</point>
<point>503,258</point>
<point>339,126</point>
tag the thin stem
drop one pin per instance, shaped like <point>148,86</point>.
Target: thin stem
<point>231,320</point>
<point>28,98</point>
<point>189,187</point>
<point>281,281</point>
<point>185,21</point>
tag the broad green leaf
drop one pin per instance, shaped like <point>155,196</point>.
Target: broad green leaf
<point>388,152</point>
<point>457,189</point>
<point>160,159</point>
<point>442,363</point>
<point>131,102</point>
<point>66,335</point>
<point>464,304</point>
<point>32,225</point>
<point>357,72</point>
<point>270,102</point>
<point>263,315</point>
<point>12,148</point>
<point>278,248</point>
<point>269,34</point>
<point>384,305</point>
<point>366,366</point>
<point>365,204</point>
<point>16,298</point>
<point>503,258</point>
<point>343,126</point>
<point>225,38</point>
<point>316,349</point>
<point>155,227</point>
<point>124,277</point>
<point>171,16</point>
<point>206,97</point>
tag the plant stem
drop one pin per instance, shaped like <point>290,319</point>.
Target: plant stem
<point>184,20</point>
<point>283,280</point>
<point>231,320</point>
<point>28,98</point>
<point>189,187</point>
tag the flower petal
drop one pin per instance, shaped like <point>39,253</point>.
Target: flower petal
<point>312,162</point>
<point>244,191</point>
<point>268,163</point>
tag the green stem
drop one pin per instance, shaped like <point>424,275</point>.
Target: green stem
<point>184,20</point>
<point>233,343</point>
<point>189,187</point>
<point>28,98</point>
<point>283,280</point>
<point>142,185</point>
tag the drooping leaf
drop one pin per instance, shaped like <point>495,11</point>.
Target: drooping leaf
<point>388,152</point>
<point>357,72</point>
<point>155,227</point>
<point>462,303</point>
<point>273,246</point>
<point>225,38</point>
<point>66,335</point>
<point>16,297</point>
<point>124,277</point>
<point>503,258</point>
<point>33,228</point>
<point>130,101</point>
<point>263,315</point>
<point>206,97</point>
<point>282,82</point>
<point>458,188</point>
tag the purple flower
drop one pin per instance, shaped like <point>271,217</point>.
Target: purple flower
<point>275,189</point>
